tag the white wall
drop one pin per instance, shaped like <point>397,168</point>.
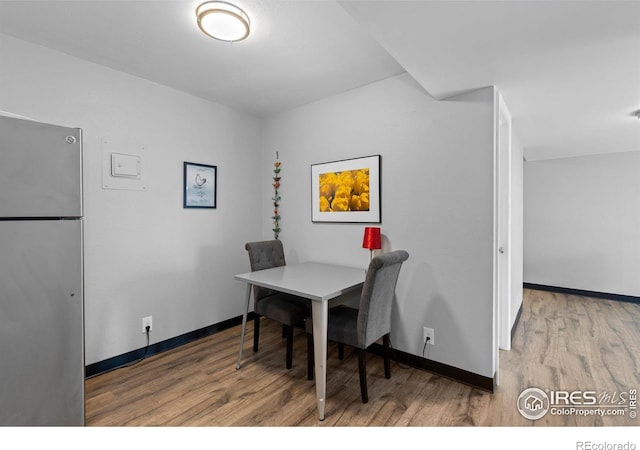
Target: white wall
<point>582,223</point>
<point>437,203</point>
<point>145,254</point>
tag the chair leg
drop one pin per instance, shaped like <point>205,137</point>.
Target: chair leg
<point>340,351</point>
<point>289,346</point>
<point>284,331</point>
<point>387,359</point>
<point>362,369</point>
<point>256,332</point>
<point>310,358</point>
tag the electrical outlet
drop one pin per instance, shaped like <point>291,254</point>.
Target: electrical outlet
<point>147,322</point>
<point>429,333</point>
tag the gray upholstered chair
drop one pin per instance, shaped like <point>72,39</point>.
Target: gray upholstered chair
<point>371,321</point>
<point>287,309</point>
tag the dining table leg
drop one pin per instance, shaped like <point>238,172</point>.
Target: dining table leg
<point>319,314</point>
<point>244,324</point>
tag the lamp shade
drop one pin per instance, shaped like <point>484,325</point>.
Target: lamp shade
<point>371,238</point>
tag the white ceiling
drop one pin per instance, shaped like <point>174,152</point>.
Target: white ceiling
<point>297,52</point>
<point>568,71</point>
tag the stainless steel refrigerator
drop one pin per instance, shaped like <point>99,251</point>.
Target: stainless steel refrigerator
<point>41,275</point>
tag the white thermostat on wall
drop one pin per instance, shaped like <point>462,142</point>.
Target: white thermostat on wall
<point>123,165</point>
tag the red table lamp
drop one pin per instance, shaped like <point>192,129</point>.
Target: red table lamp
<point>371,239</point>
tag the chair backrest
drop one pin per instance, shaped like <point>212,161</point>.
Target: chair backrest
<point>264,255</point>
<point>374,315</point>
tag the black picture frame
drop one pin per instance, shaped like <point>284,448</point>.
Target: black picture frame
<point>199,185</point>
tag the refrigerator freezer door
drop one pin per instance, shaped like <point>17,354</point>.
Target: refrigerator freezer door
<point>40,169</point>
<point>41,323</point>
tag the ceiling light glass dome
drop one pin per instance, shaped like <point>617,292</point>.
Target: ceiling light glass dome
<point>223,21</point>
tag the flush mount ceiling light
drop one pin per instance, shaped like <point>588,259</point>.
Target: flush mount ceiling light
<point>223,21</point>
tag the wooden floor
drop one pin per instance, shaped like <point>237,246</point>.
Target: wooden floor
<point>562,343</point>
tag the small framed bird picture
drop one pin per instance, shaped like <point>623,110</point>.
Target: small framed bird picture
<point>199,185</point>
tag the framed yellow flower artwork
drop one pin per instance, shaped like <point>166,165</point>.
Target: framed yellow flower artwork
<point>346,191</point>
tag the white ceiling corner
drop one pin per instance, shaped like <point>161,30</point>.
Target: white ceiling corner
<point>568,71</point>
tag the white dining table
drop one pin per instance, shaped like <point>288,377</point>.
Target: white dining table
<point>319,282</point>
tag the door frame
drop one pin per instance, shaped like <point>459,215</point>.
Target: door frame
<point>502,231</point>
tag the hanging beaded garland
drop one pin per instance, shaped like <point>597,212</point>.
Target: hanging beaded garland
<point>276,198</point>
